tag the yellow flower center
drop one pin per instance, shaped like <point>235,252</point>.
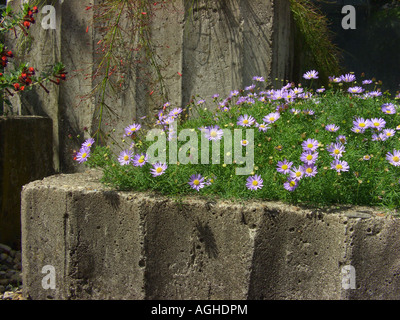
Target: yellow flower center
<point>271,119</point>
<point>126,158</point>
<point>309,157</point>
<point>213,134</point>
<point>255,183</point>
<point>245,121</point>
<point>339,166</point>
<point>84,155</point>
<point>196,182</point>
<point>158,170</point>
<point>376,124</point>
<point>141,159</point>
<point>310,145</point>
<point>396,159</point>
<point>244,141</point>
<point>292,183</point>
<point>309,170</point>
<point>133,129</point>
<point>284,167</point>
<point>337,151</point>
<point>298,174</point>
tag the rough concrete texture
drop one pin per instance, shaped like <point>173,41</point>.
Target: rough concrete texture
<point>106,244</point>
<point>214,48</point>
<point>25,155</point>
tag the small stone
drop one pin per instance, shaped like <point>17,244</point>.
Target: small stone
<point>4,248</point>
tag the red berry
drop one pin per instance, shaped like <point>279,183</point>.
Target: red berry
<point>16,86</point>
<point>27,24</point>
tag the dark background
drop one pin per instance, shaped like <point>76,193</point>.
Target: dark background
<point>374,46</point>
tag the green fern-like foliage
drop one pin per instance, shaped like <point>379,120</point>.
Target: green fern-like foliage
<point>313,41</point>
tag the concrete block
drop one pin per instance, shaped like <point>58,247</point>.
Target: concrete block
<point>106,244</point>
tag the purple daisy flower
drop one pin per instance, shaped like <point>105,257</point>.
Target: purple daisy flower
<point>88,143</point>
<point>196,182</point>
<point>355,90</point>
<point>234,93</point>
<point>367,81</point>
<point>361,123</point>
<point>290,184</point>
<point>388,108</point>
<point>140,160</point>
<point>250,88</point>
<point>298,90</point>
<point>83,154</point>
<point>262,126</point>
<point>294,111</point>
<point>259,79</point>
<point>125,157</point>
<point>175,112</point>
<point>310,170</point>
<point>374,94</point>
<point>336,150</point>
<point>132,129</point>
<point>254,182</point>
<point>320,90</point>
<point>311,75</point>
<point>244,142</point>
<point>376,123</point>
<point>357,130</point>
<point>339,166</point>
<point>284,166</point>
<point>297,173</point>
<point>335,79</point>
<point>213,133</point>
<point>389,133</point>
<point>158,169</point>
<point>245,121</point>
<point>271,117</point>
<point>309,157</point>
<point>310,144</point>
<point>348,77</point>
<point>394,158</point>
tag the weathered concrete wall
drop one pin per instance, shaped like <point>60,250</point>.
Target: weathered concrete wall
<point>215,48</point>
<point>25,155</point>
<point>105,244</point>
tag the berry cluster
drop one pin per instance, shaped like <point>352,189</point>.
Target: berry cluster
<point>24,79</point>
<point>29,19</point>
<point>4,57</point>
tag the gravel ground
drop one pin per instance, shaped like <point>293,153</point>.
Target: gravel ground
<point>10,273</point>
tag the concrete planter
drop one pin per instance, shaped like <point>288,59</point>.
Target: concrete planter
<point>26,154</point>
<point>91,242</point>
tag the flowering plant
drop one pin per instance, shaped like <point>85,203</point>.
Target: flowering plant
<point>330,146</point>
<point>24,77</point>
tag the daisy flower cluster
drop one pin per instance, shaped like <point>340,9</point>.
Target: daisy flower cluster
<point>309,144</point>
